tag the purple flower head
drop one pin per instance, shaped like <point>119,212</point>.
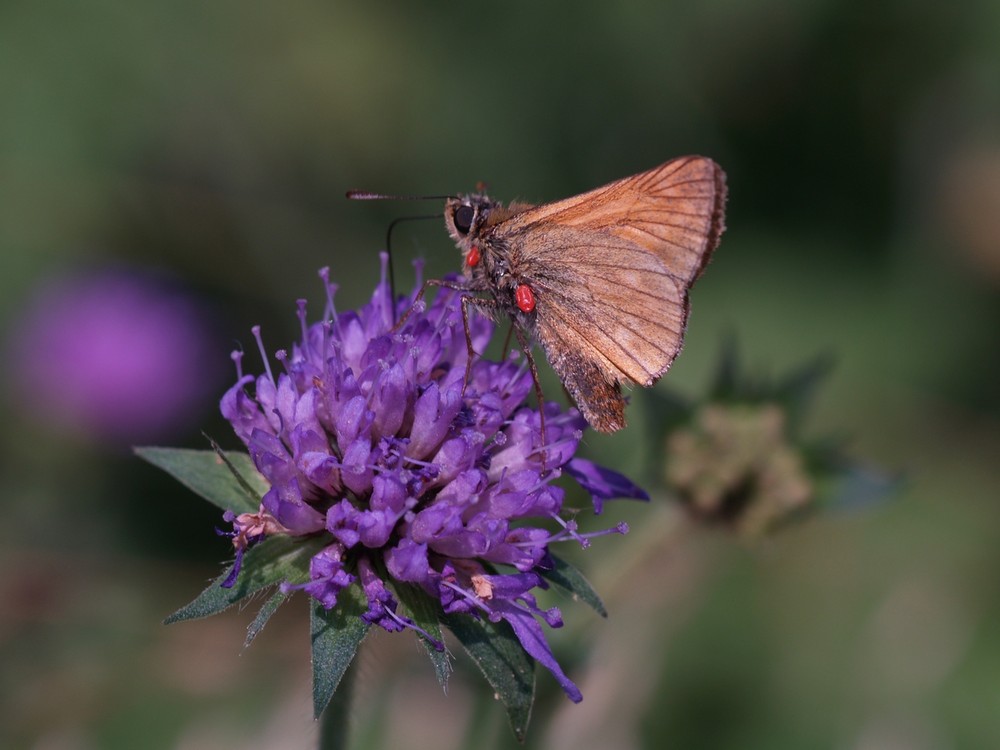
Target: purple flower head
<point>371,436</point>
<point>114,354</point>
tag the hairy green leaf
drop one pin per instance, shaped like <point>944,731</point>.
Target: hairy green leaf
<point>336,635</point>
<point>263,615</point>
<point>569,579</point>
<point>274,560</point>
<point>236,486</point>
<point>424,612</point>
<point>501,658</point>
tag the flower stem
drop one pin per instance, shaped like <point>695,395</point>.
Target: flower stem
<point>333,723</point>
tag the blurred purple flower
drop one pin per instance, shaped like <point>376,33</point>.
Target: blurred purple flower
<point>371,436</point>
<point>116,355</point>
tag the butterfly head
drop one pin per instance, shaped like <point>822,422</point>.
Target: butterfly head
<point>465,215</point>
<point>465,218</point>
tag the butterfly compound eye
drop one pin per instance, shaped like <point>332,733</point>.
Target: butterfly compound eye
<point>463,219</point>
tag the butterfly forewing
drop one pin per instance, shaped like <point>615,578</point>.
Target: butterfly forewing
<point>674,211</point>
<point>611,270</point>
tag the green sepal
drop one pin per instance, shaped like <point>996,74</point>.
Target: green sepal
<point>280,558</point>
<point>794,391</point>
<point>424,611</point>
<point>228,481</point>
<point>503,661</point>
<point>798,390</point>
<point>264,614</point>
<point>568,578</point>
<point>336,635</point>
<point>729,380</point>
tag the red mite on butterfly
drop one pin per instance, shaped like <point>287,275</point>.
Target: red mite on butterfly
<point>525,298</point>
<point>600,280</point>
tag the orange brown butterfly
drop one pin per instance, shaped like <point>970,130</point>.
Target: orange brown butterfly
<point>600,280</point>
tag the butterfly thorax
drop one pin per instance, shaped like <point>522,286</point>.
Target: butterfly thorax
<point>475,222</point>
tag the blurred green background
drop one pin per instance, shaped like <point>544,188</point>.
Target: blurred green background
<point>213,142</point>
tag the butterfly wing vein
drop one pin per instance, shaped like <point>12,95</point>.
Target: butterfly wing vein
<point>611,270</point>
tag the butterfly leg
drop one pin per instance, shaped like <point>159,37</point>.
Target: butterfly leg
<point>522,341</point>
<point>420,296</point>
<point>506,341</point>
<point>468,301</point>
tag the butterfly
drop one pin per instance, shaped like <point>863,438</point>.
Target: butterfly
<point>600,280</point>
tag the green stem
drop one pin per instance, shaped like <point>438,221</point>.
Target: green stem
<point>333,723</point>
<point>481,731</point>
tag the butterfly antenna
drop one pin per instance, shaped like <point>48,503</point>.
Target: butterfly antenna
<point>364,195</point>
<point>388,249</point>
